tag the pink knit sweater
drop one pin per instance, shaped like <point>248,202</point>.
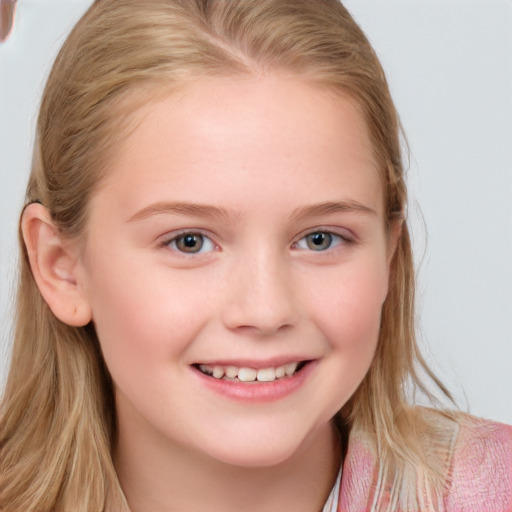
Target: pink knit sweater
<point>480,474</point>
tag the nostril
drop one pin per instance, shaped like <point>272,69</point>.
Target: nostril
<point>7,11</point>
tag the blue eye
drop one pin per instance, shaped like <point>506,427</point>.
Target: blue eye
<point>319,241</point>
<point>191,243</point>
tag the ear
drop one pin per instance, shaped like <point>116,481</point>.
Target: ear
<point>54,261</point>
<point>394,234</point>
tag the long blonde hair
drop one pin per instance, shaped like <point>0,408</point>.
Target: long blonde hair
<point>57,421</point>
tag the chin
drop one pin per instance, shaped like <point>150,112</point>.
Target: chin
<point>244,458</point>
<point>258,451</point>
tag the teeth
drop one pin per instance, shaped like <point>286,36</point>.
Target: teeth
<point>231,372</point>
<point>206,369</point>
<point>280,372</point>
<point>249,374</point>
<point>218,372</point>
<point>266,375</point>
<point>290,368</point>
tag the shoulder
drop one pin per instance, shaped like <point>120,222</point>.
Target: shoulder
<point>476,455</point>
<point>480,478</point>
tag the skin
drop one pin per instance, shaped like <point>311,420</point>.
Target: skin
<point>261,154</point>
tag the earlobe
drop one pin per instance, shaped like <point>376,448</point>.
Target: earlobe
<point>54,261</point>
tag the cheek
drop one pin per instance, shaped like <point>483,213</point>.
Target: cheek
<point>346,309</point>
<point>349,309</point>
<point>141,318</point>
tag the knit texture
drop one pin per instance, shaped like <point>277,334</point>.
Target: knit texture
<point>480,476</point>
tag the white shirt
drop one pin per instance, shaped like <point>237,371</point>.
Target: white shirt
<point>331,505</point>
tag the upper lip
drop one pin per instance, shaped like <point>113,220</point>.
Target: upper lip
<point>255,363</point>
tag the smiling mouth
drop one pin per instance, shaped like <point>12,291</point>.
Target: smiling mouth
<point>246,374</point>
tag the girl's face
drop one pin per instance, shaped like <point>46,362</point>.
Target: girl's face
<point>239,235</point>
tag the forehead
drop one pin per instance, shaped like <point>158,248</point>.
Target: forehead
<point>275,131</point>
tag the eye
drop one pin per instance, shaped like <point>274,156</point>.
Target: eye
<point>190,243</point>
<point>319,241</point>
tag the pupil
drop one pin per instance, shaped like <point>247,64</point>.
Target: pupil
<point>319,241</point>
<point>190,243</point>
<point>190,240</point>
<point>318,238</point>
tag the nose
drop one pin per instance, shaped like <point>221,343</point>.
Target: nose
<point>260,296</point>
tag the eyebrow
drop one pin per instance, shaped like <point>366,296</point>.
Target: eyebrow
<point>317,210</point>
<point>230,216</point>
<point>185,208</point>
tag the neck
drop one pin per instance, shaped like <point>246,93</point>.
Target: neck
<point>164,477</point>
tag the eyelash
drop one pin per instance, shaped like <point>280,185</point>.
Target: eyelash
<point>173,240</point>
<point>334,240</point>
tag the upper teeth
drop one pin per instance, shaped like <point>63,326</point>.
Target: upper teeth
<point>245,374</point>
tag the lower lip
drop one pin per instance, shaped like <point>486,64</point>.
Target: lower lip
<point>257,391</point>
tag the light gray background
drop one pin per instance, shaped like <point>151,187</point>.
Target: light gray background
<point>449,63</point>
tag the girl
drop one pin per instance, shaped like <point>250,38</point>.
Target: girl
<point>215,307</point>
